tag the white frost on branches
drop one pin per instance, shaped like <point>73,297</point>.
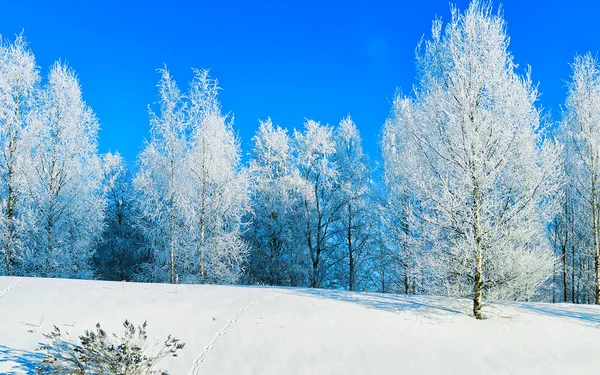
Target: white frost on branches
<point>471,149</point>
<point>193,193</point>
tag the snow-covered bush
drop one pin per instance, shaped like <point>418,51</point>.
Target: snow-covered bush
<point>99,353</point>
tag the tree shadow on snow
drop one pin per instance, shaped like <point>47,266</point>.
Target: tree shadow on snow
<point>23,361</point>
<point>394,302</point>
<point>583,313</point>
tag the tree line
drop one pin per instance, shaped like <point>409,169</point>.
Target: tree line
<point>481,195</point>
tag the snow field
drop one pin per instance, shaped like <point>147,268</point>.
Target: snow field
<point>254,330</point>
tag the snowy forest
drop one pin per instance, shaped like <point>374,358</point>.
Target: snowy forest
<point>476,192</point>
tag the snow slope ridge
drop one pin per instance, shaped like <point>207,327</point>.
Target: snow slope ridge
<point>260,330</point>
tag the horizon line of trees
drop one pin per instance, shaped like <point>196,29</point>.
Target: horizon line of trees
<point>481,196</point>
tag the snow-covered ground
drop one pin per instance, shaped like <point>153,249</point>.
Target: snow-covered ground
<point>249,330</point>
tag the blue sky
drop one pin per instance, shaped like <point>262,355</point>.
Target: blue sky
<point>287,60</point>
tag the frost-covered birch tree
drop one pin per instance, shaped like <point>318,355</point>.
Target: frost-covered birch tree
<point>19,78</point>
<point>274,258</point>
<point>581,120</point>
<point>64,193</point>
<point>161,182</point>
<point>400,223</point>
<point>315,147</point>
<point>482,169</point>
<point>192,191</point>
<point>218,194</point>
<point>356,215</point>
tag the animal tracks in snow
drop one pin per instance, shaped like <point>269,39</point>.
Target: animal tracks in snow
<point>223,331</point>
<point>8,288</point>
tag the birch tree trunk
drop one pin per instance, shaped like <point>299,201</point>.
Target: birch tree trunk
<point>478,284</point>
<point>351,266</point>
<point>11,198</point>
<point>596,233</point>
<point>172,223</point>
<point>203,232</point>
<point>564,244</point>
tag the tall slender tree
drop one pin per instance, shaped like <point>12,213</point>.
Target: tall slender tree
<point>273,234</point>
<point>64,194</point>
<point>581,119</point>
<point>399,224</point>
<point>355,219</point>
<point>19,79</point>
<point>161,182</point>
<point>315,148</point>
<point>219,191</point>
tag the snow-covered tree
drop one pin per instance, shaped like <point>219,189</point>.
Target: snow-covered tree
<point>64,193</point>
<point>192,192</point>
<point>118,253</point>
<point>481,167</point>
<point>355,215</point>
<point>218,192</point>
<point>161,182</point>
<point>581,121</point>
<point>320,189</point>
<point>399,207</point>
<point>274,258</point>
<point>19,78</point>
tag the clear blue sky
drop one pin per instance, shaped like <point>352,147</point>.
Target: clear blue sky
<point>288,60</point>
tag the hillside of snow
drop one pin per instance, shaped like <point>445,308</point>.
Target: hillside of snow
<point>253,330</point>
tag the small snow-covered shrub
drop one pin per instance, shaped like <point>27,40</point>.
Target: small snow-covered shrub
<point>99,353</point>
